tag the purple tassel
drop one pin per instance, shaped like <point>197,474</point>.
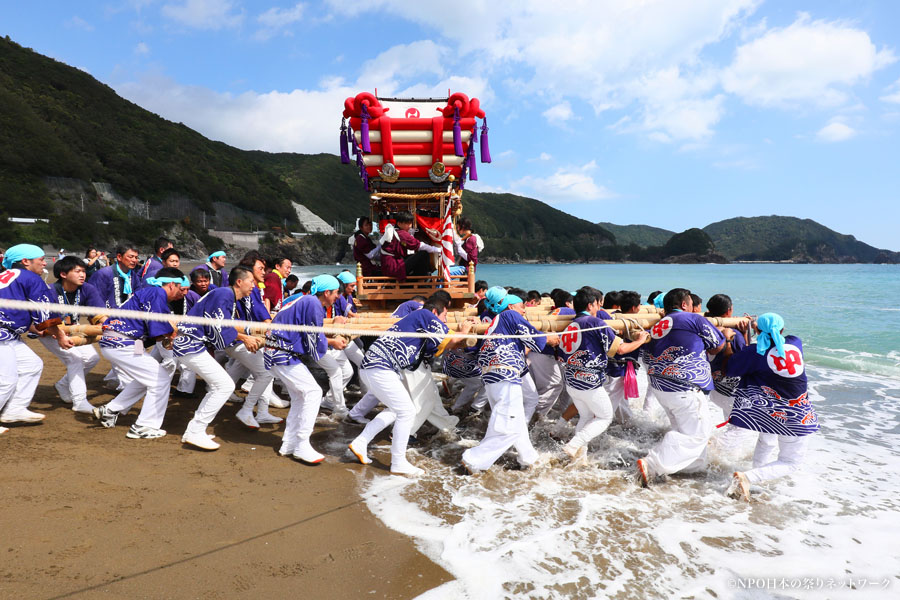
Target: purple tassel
<point>485,149</point>
<point>345,156</point>
<point>364,129</point>
<point>473,172</point>
<point>457,134</point>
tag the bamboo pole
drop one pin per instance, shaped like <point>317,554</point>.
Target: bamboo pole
<point>621,324</point>
<point>84,330</point>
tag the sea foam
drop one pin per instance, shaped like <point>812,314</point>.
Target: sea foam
<point>588,532</point>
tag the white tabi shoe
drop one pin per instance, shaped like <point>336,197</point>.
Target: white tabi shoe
<point>82,406</point>
<point>235,398</point>
<point>245,416</point>
<point>264,418</point>
<point>287,449</point>
<point>276,402</point>
<point>3,430</point>
<point>63,391</point>
<point>200,440</point>
<point>21,416</point>
<point>306,453</point>
<point>407,469</point>
<point>360,450</point>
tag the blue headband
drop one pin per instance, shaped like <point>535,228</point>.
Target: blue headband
<point>323,283</point>
<point>498,299</point>
<point>346,277</point>
<point>160,281</point>
<point>215,254</point>
<point>21,252</point>
<point>658,301</point>
<point>770,326</point>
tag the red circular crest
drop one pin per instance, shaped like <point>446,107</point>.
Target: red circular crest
<point>570,340</point>
<point>412,113</point>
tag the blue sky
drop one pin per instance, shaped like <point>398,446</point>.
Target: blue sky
<point>664,112</point>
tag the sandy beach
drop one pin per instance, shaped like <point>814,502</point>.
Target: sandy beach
<point>88,513</point>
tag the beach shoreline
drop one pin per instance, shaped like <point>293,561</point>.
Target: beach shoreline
<point>89,513</point>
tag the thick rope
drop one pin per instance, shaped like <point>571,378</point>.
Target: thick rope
<point>246,325</point>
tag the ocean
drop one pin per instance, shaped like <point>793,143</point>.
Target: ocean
<point>589,532</point>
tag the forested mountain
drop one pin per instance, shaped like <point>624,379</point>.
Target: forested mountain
<point>789,238</point>
<point>102,169</point>
<point>639,235</point>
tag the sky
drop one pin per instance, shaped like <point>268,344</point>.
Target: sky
<point>672,113</point>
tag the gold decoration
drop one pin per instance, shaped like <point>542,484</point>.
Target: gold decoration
<point>389,173</point>
<point>438,173</point>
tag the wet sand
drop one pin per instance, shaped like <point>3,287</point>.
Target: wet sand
<point>87,513</point>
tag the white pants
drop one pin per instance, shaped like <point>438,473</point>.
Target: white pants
<point>148,378</point>
<point>219,387</point>
<point>530,397</point>
<point>791,451</point>
<point>427,399</point>
<point>262,379</point>
<point>387,387</point>
<point>20,372</point>
<point>507,427</point>
<point>365,404</point>
<point>473,391</point>
<point>615,387</point>
<point>188,381</point>
<point>164,356</point>
<point>548,380</point>
<point>339,370</point>
<point>78,362</point>
<point>306,396</point>
<point>684,447</point>
<point>595,413</point>
<point>729,437</point>
<point>354,353</point>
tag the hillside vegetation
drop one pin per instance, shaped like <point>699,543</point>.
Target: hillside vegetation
<point>58,121</point>
<point>643,236</point>
<point>63,134</point>
<point>789,238</point>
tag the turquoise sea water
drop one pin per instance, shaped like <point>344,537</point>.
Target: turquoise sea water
<point>590,532</point>
<point>848,316</point>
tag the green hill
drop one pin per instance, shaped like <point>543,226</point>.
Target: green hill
<point>58,121</point>
<point>63,134</point>
<point>779,238</point>
<point>639,235</point>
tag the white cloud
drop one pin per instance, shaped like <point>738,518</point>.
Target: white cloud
<point>835,131</point>
<point>77,22</point>
<point>403,62</point>
<point>676,108</point>
<point>808,61</point>
<point>276,121</point>
<point>276,19</point>
<point>302,120</point>
<point>545,156</point>
<point>142,49</point>
<point>892,93</point>
<point>559,113</point>
<point>600,60</point>
<point>568,184</point>
<point>204,14</point>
